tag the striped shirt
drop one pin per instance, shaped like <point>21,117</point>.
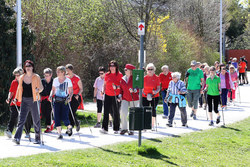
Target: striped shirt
<point>173,87</point>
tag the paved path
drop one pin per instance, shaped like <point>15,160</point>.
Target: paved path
<point>84,139</point>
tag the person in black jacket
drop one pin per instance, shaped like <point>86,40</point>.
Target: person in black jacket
<point>45,103</point>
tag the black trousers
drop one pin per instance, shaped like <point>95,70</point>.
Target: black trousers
<point>211,100</point>
<point>99,105</point>
<point>242,78</point>
<point>46,111</point>
<point>152,103</point>
<point>13,120</point>
<point>111,106</point>
<point>74,105</point>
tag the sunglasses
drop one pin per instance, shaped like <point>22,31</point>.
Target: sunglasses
<point>150,69</point>
<point>28,65</point>
<point>101,73</point>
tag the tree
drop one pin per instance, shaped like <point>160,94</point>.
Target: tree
<point>8,52</point>
<point>238,18</point>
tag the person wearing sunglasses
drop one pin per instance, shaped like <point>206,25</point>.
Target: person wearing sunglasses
<point>98,96</point>
<point>111,89</point>
<point>28,90</point>
<point>213,90</point>
<point>128,96</point>
<point>150,92</point>
<point>45,103</point>
<point>226,85</point>
<point>194,80</point>
<point>76,100</point>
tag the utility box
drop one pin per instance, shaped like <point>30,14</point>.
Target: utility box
<point>147,117</point>
<point>138,79</point>
<point>136,118</point>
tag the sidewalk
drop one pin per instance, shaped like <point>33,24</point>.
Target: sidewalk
<point>84,139</point>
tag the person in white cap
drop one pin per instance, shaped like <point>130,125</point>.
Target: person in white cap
<point>194,80</point>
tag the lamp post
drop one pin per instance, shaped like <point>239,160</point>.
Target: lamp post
<point>19,34</point>
<point>220,31</point>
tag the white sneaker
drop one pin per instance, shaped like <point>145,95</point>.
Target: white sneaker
<point>8,134</point>
<point>103,131</point>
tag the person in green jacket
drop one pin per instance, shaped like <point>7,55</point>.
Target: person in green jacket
<point>194,80</point>
<point>213,94</point>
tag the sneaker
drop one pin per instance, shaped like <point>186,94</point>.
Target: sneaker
<point>17,141</point>
<point>194,117</point>
<point>165,117</point>
<point>110,123</point>
<point>60,136</point>
<point>123,132</point>
<point>103,131</point>
<point>37,142</point>
<point>192,114</point>
<point>169,125</point>
<point>27,136</point>
<point>205,107</point>
<point>48,130</point>
<point>97,125</point>
<point>69,131</point>
<point>130,133</point>
<point>218,120</point>
<point>8,133</point>
<point>211,123</point>
<point>78,125</point>
<point>185,125</point>
<point>116,132</point>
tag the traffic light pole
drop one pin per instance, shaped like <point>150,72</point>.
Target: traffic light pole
<point>141,67</point>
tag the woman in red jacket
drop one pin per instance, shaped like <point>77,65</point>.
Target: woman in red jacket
<point>129,97</point>
<point>111,89</point>
<point>150,93</point>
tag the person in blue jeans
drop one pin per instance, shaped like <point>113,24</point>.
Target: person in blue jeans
<point>165,78</point>
<point>62,88</point>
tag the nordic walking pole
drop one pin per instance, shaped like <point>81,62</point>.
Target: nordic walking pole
<point>222,114</point>
<point>73,118</point>
<point>38,108</point>
<point>52,114</point>
<point>133,122</point>
<point>117,107</point>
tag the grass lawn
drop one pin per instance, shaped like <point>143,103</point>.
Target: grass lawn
<point>228,146</point>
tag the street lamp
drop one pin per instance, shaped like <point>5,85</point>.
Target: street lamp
<point>220,31</point>
<point>19,34</point>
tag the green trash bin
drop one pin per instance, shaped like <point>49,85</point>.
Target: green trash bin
<point>136,118</point>
<point>147,117</point>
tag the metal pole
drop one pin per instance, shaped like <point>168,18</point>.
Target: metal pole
<point>220,31</point>
<point>19,34</point>
<point>141,67</point>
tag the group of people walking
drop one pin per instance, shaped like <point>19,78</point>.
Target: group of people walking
<point>57,98</point>
<point>60,97</point>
